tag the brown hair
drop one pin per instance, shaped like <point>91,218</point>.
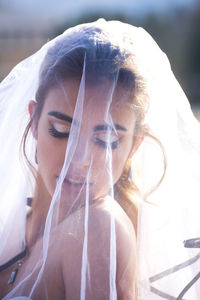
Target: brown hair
<point>126,190</point>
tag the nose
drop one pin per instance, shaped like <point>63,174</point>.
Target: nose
<point>82,155</point>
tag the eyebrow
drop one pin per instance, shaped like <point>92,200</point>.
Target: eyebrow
<point>104,127</point>
<point>60,116</point>
<point>108,127</point>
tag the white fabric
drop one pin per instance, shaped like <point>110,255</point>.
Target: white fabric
<point>166,218</point>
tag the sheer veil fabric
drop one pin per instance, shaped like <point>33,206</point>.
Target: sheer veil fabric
<point>101,91</point>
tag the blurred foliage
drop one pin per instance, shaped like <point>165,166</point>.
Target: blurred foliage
<point>178,35</point>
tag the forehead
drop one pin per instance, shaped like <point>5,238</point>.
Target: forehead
<point>102,100</point>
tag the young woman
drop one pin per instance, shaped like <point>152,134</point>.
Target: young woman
<point>94,96</point>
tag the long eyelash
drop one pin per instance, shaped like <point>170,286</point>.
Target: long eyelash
<point>57,134</point>
<point>103,144</point>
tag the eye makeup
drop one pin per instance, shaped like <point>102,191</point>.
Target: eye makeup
<point>113,145</point>
<point>58,130</point>
<point>104,135</point>
<point>106,139</point>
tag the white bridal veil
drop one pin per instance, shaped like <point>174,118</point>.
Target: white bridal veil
<point>117,75</point>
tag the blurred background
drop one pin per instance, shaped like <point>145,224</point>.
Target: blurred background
<point>25,25</point>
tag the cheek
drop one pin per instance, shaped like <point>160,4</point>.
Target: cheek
<point>118,166</point>
<point>50,156</point>
<point>103,171</point>
<point>120,158</point>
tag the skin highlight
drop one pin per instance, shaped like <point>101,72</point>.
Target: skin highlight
<point>51,119</point>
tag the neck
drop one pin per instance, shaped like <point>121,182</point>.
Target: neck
<point>37,218</point>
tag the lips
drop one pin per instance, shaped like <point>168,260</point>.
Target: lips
<point>74,181</point>
<point>77,181</point>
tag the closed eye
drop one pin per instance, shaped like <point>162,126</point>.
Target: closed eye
<point>107,139</point>
<point>59,130</point>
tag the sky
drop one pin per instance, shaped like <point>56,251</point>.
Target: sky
<point>63,8</point>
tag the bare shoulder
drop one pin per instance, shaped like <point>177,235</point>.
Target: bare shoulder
<point>125,249</point>
<point>102,219</point>
<point>100,216</point>
<point>85,240</point>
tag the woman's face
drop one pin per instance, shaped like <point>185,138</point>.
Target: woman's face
<point>102,137</point>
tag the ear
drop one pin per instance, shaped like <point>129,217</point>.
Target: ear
<point>136,144</point>
<point>31,109</point>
